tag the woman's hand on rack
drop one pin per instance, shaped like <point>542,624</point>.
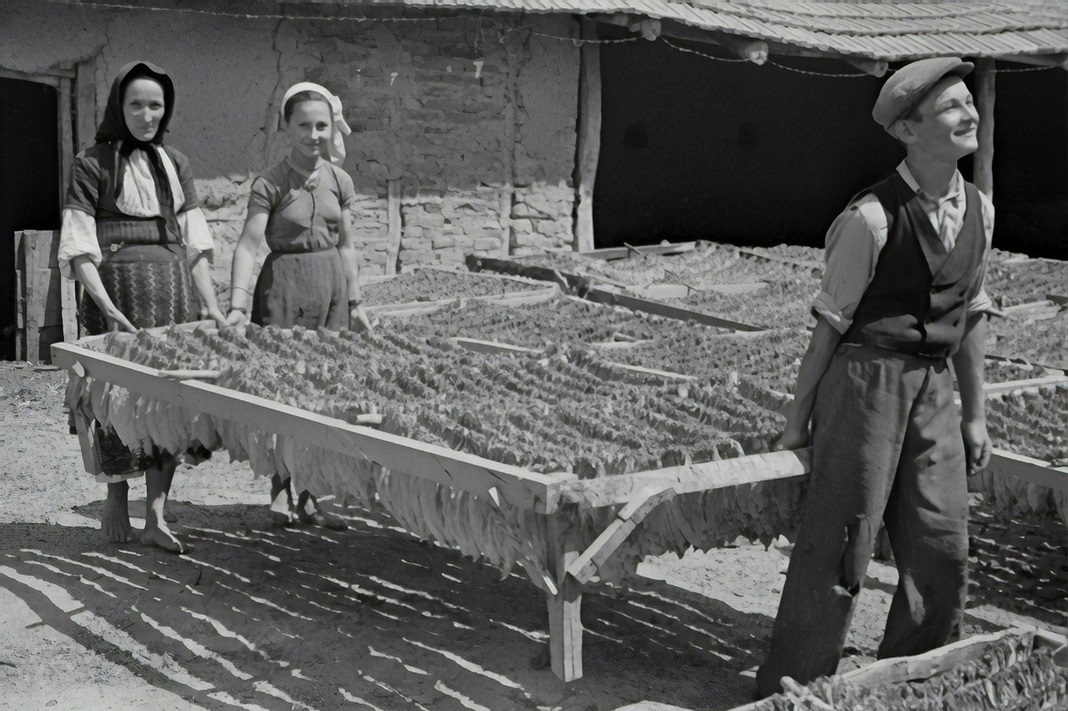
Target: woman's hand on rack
<point>117,321</point>
<point>218,317</point>
<point>359,321</point>
<point>236,318</point>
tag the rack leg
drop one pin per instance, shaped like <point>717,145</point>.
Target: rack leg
<point>565,623</point>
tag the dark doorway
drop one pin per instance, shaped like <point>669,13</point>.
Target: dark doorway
<point>695,148</point>
<point>1031,160</point>
<point>29,181</point>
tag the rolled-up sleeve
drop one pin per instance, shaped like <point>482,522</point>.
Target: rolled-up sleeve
<point>853,244</point>
<point>981,301</point>
<point>77,237</point>
<point>195,234</point>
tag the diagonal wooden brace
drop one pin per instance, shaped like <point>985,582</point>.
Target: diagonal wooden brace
<point>605,545</point>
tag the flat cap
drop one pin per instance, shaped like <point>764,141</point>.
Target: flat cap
<point>909,84</point>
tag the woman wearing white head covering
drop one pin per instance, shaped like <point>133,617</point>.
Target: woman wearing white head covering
<point>301,209</point>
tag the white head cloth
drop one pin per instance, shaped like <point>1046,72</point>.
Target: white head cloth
<point>341,129</point>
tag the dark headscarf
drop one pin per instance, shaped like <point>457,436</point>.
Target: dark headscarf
<point>113,130</point>
<point>113,127</point>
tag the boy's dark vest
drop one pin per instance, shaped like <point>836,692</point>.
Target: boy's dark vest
<point>918,298</point>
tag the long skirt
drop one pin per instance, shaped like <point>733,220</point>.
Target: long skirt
<point>151,285</point>
<point>301,289</point>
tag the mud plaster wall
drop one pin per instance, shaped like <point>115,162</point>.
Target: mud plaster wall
<point>473,116</point>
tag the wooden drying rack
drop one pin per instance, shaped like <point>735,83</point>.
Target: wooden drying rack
<point>553,496</point>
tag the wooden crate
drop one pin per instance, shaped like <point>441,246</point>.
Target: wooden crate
<point>45,303</point>
<point>921,667</point>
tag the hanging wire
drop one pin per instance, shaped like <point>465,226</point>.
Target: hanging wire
<point>730,60</point>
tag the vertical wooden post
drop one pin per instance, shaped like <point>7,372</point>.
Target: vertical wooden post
<point>565,607</point>
<point>67,149</point>
<point>393,217</point>
<point>85,85</point>
<point>983,160</point>
<point>589,135</point>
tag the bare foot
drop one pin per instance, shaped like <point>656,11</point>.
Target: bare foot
<point>163,538</point>
<point>115,519</point>
<point>309,512</point>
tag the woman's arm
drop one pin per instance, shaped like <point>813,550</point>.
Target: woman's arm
<point>248,245</point>
<point>86,272</point>
<point>350,262</point>
<point>201,271</point>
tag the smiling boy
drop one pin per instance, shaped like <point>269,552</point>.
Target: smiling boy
<point>902,296</point>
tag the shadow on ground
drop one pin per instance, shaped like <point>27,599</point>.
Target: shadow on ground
<point>370,618</point>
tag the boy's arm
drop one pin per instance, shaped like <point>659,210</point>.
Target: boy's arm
<point>968,367</point>
<point>813,365</point>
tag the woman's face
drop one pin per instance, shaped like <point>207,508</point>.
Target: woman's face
<point>310,127</point>
<point>143,107</point>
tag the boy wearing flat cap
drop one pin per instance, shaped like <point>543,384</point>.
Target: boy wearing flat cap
<point>902,297</point>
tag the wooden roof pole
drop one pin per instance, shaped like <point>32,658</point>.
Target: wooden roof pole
<point>983,160</point>
<point>589,135</point>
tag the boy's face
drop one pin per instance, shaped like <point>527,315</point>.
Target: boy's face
<point>944,124</point>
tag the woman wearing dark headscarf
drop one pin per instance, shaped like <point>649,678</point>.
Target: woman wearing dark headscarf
<point>134,236</point>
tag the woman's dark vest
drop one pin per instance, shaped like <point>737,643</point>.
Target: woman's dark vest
<point>918,297</point>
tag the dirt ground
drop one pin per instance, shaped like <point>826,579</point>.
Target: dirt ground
<point>261,618</point>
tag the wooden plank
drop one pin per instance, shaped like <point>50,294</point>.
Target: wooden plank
<point>85,84</point>
<point>589,134</point>
<point>65,136</point>
<point>1028,384</point>
<point>69,309</point>
<point>394,229</point>
<point>802,264</point>
<point>923,666</point>
<point>612,253</point>
<point>653,371</point>
<point>589,562</point>
<point>1029,469</point>
<point>515,298</point>
<point>481,346</point>
<point>667,310</point>
<point>517,486</point>
<point>565,605</point>
<point>684,479</point>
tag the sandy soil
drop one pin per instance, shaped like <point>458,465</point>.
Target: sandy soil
<point>261,618</point>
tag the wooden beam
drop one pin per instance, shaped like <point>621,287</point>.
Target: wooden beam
<point>603,296</point>
<point>1028,469</point>
<point>394,229</point>
<point>685,479</point>
<point>519,487</point>
<point>85,104</point>
<point>66,146</point>
<point>983,159</point>
<point>589,562</point>
<point>1028,384</point>
<point>875,67</point>
<point>1059,59</point>
<point>609,253</point>
<point>589,135</point>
